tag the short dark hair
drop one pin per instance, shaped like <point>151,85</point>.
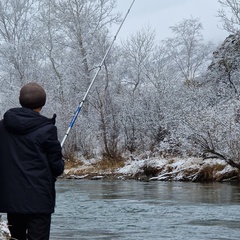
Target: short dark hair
<point>32,96</point>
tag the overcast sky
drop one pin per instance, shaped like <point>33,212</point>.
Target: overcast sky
<point>161,14</point>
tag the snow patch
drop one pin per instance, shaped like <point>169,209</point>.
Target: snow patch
<point>4,231</point>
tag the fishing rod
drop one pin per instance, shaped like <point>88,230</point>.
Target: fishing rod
<point>94,78</point>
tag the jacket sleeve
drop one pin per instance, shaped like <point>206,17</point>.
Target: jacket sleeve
<point>54,152</point>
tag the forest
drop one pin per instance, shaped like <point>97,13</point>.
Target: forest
<point>179,96</point>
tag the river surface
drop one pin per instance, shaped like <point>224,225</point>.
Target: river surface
<point>134,210</point>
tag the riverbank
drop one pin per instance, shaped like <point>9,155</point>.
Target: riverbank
<point>155,169</point>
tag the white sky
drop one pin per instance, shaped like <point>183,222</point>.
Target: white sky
<point>161,14</point>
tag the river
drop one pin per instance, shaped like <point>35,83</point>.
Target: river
<point>134,210</point>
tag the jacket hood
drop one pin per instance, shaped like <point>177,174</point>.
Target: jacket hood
<point>24,120</point>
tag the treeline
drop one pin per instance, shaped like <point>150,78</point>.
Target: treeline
<point>179,96</point>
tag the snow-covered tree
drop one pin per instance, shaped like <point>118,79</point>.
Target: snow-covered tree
<point>229,15</point>
<point>19,52</point>
<point>187,50</point>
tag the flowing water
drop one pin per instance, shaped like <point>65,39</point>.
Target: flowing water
<point>132,210</point>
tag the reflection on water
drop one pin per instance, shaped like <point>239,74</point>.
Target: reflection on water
<point>131,210</point>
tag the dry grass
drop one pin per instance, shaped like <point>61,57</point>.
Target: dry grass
<point>109,164</point>
<point>106,165</point>
<point>73,164</point>
<point>213,173</point>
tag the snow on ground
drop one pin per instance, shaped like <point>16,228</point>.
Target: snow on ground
<point>177,168</point>
<point>134,167</point>
<point>4,232</point>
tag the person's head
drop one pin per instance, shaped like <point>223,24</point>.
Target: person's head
<point>32,96</point>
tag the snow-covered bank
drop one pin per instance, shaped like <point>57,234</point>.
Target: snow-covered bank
<point>175,169</point>
<point>4,232</point>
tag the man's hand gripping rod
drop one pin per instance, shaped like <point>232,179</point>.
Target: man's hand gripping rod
<point>96,74</point>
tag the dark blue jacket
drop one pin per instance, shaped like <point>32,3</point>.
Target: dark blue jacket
<point>30,161</point>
